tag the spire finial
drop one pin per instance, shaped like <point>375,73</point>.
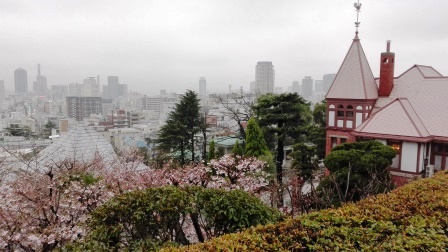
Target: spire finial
<point>358,10</point>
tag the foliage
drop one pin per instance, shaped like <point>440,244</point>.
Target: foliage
<point>303,160</point>
<point>410,218</point>
<point>15,130</point>
<point>357,170</point>
<point>181,126</point>
<point>285,115</point>
<point>211,150</point>
<point>156,214</point>
<point>45,207</point>
<point>255,143</point>
<point>160,216</point>
<point>237,149</point>
<point>320,114</point>
<point>46,131</point>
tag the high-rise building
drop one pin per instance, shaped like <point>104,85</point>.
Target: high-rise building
<point>327,81</point>
<point>114,89</point>
<point>20,81</point>
<point>82,107</point>
<point>307,87</point>
<point>40,85</point>
<point>203,91</point>
<point>90,87</point>
<point>318,86</point>
<point>264,77</point>
<point>296,88</point>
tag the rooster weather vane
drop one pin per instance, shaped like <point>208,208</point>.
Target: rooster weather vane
<point>358,9</point>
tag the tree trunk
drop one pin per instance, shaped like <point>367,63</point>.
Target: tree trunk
<point>197,227</point>
<point>279,170</point>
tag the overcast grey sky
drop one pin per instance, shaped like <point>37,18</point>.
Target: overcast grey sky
<point>169,44</point>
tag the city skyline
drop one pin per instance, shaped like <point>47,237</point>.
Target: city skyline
<point>170,44</point>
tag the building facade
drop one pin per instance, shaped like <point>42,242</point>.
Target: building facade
<point>82,107</point>
<point>307,87</point>
<point>20,81</point>
<point>264,77</point>
<point>407,112</point>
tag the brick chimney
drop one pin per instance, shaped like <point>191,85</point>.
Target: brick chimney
<point>386,72</point>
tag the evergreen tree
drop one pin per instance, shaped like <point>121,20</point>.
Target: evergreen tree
<point>211,150</point>
<point>177,135</point>
<point>286,115</point>
<point>237,149</point>
<point>255,143</point>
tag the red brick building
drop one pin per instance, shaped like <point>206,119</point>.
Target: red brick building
<point>408,112</point>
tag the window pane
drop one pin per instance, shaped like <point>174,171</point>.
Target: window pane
<point>396,162</point>
<point>438,162</point>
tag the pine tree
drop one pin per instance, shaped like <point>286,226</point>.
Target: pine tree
<point>181,126</point>
<point>285,115</point>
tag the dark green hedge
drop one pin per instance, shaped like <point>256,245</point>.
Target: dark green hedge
<point>411,218</point>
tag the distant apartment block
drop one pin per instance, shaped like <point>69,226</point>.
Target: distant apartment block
<point>264,77</point>
<point>296,88</point>
<point>318,86</point>
<point>91,87</point>
<point>114,89</point>
<point>327,81</point>
<point>20,81</point>
<point>307,87</point>
<point>82,107</point>
<point>203,91</point>
<point>40,85</point>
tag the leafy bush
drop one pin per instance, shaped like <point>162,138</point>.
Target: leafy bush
<point>410,218</point>
<point>156,217</point>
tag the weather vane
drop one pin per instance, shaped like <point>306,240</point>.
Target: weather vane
<point>358,9</point>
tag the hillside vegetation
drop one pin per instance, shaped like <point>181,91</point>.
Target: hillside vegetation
<point>411,218</point>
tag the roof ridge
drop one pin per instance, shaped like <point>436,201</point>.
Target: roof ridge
<point>415,113</point>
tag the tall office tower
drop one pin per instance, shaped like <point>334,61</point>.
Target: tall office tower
<point>114,89</point>
<point>40,85</point>
<point>20,81</point>
<point>307,87</point>
<point>90,87</point>
<point>318,86</point>
<point>2,91</point>
<point>82,107</point>
<point>296,88</point>
<point>327,81</point>
<point>264,77</point>
<point>203,91</point>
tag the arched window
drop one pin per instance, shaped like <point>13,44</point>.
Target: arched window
<point>341,112</point>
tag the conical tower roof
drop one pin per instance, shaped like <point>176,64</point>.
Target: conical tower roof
<point>354,79</point>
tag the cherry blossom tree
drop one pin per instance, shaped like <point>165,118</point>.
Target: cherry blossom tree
<point>47,206</point>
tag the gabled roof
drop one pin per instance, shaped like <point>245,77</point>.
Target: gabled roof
<point>354,79</point>
<point>425,104</point>
<point>82,144</point>
<point>398,119</point>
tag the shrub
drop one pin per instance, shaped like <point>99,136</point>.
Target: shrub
<point>410,218</point>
